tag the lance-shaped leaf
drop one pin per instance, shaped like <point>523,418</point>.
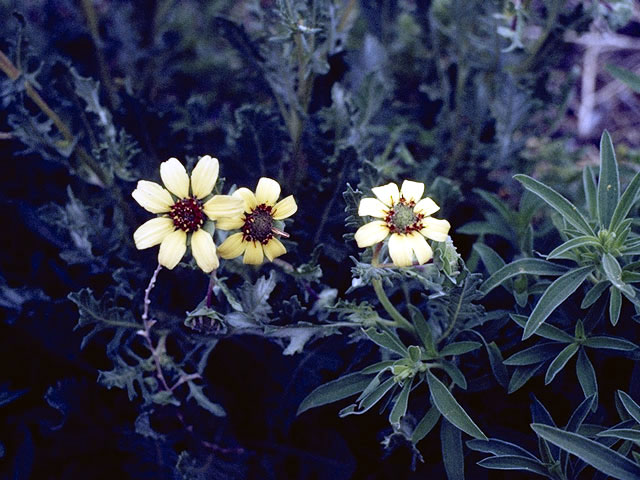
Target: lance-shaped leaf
<point>452,453</point>
<point>613,271</point>
<point>627,200</point>
<point>594,294</point>
<point>335,390</point>
<point>611,343</point>
<point>587,377</point>
<point>545,330</point>
<point>492,261</point>
<point>593,453</point>
<point>532,355</point>
<point>629,405</point>
<point>521,375</point>
<point>499,448</point>
<point>590,191</point>
<point>556,201</point>
<point>425,425</point>
<point>515,462</point>
<point>615,304</point>
<point>608,181</point>
<point>553,296</point>
<point>560,361</point>
<point>369,400</point>
<point>527,266</point>
<point>622,434</point>
<point>451,409</point>
<point>386,340</point>
<point>626,76</point>
<point>459,348</point>
<point>423,329</point>
<point>573,244</point>
<point>400,407</point>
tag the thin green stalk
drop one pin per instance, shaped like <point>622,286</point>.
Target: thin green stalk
<point>398,318</point>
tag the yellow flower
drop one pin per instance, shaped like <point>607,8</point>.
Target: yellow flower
<point>183,212</point>
<point>257,236</point>
<point>406,216</point>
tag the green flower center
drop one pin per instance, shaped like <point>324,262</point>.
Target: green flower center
<point>402,219</point>
<point>187,214</point>
<point>258,225</point>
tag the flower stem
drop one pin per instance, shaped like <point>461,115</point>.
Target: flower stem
<point>146,333</point>
<point>398,319</point>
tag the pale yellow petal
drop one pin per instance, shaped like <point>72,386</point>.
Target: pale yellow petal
<point>220,206</point>
<point>400,250</point>
<point>426,207</point>
<point>420,247</point>
<point>435,229</point>
<point>371,233</point>
<point>254,254</point>
<point>233,246</point>
<point>285,208</point>
<point>230,223</point>
<point>204,176</point>
<point>372,207</point>
<point>388,194</point>
<point>175,178</point>
<point>247,196</point>
<point>152,232</point>
<point>274,248</point>
<point>204,250</point>
<point>152,197</point>
<point>172,249</point>
<point>412,191</point>
<point>267,191</point>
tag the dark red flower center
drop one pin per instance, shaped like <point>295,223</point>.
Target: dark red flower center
<point>187,214</point>
<point>402,219</point>
<point>258,225</point>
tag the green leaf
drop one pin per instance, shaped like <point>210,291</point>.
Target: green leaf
<point>425,425</point>
<point>451,409</point>
<point>386,340</point>
<point>627,200</point>
<point>378,367</point>
<point>560,361</point>
<point>521,375</point>
<point>594,294</point>
<point>573,244</point>
<point>373,397</point>
<point>497,364</point>
<point>546,330</point>
<point>590,191</point>
<point>553,296</point>
<point>456,375</point>
<point>622,433</point>
<point>631,79</point>
<point>498,448</point>
<point>423,330</point>
<point>452,453</point>
<point>587,376</point>
<point>492,261</point>
<point>533,355</point>
<point>593,453</point>
<point>615,303</point>
<point>611,343</point>
<point>526,266</point>
<point>613,271</point>
<point>629,405</point>
<point>556,201</point>
<point>608,181</point>
<point>335,390</point>
<point>497,204</point>
<point>515,462</point>
<point>400,407</point>
<point>459,348</point>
